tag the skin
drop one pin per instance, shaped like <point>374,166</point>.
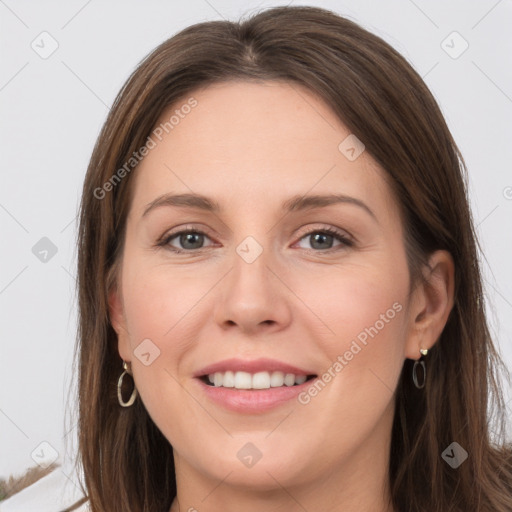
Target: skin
<point>250,146</point>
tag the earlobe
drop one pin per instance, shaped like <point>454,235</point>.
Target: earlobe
<point>433,304</point>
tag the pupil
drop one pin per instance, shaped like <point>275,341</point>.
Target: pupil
<point>189,237</point>
<point>322,236</point>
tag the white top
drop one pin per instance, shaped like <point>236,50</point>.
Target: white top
<point>52,493</point>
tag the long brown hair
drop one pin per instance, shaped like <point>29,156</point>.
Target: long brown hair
<point>127,462</point>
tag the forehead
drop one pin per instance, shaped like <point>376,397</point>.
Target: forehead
<point>245,143</point>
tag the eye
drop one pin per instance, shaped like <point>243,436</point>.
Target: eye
<point>321,237</point>
<point>189,239</point>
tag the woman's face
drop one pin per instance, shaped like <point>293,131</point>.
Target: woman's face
<point>265,280</point>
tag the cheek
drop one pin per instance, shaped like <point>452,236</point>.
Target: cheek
<point>350,298</point>
<point>369,309</point>
<point>159,311</point>
<point>166,308</point>
<point>159,303</point>
<point>363,309</point>
<point>160,308</point>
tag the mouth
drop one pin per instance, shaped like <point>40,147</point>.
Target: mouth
<point>253,386</point>
<point>252,393</point>
<point>259,381</point>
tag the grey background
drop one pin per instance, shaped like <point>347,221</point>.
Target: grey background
<point>51,111</point>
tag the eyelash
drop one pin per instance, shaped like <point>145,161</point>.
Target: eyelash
<point>165,240</point>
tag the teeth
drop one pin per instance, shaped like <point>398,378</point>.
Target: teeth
<point>300,379</point>
<point>243,380</point>
<point>259,380</point>
<point>229,380</point>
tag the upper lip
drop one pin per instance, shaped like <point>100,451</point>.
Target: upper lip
<point>251,366</point>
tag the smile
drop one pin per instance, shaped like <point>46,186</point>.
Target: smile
<point>260,380</point>
<point>250,400</point>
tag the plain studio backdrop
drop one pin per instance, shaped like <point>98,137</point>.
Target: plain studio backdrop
<point>63,64</point>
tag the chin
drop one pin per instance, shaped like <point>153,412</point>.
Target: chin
<point>261,470</point>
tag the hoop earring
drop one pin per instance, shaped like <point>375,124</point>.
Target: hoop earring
<point>134,394</point>
<point>421,363</point>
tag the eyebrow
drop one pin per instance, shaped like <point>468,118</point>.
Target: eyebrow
<point>293,204</point>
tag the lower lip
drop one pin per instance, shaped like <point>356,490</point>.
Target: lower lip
<point>252,401</point>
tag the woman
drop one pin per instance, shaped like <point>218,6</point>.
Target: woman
<point>270,371</point>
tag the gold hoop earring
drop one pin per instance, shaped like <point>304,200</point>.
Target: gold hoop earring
<point>134,394</point>
<point>420,362</point>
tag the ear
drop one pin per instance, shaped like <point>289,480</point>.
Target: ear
<point>431,304</point>
<point>118,321</point>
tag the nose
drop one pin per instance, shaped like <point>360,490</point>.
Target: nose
<point>252,297</point>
